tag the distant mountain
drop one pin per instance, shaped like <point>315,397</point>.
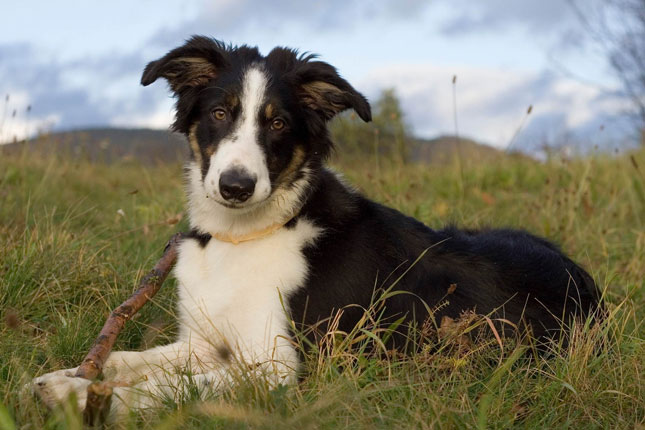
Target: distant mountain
<point>108,145</point>
<point>149,146</point>
<point>447,149</point>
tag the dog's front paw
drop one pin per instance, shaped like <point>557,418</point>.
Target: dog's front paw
<point>56,387</point>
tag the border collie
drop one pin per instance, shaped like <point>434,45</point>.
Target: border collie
<point>279,242</point>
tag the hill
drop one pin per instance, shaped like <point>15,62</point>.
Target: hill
<point>150,146</point>
<point>445,149</point>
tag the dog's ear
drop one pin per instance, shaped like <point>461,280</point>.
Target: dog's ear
<point>322,89</point>
<point>191,65</point>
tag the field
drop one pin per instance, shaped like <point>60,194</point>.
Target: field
<point>75,238</point>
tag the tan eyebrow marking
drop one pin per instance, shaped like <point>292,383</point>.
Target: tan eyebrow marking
<point>210,150</point>
<point>194,145</point>
<point>268,111</point>
<point>232,101</point>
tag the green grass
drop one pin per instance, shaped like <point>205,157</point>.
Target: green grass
<point>75,238</point>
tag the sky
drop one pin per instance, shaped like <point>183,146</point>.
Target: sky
<point>78,63</point>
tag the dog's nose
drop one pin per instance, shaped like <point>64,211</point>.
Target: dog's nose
<point>236,185</point>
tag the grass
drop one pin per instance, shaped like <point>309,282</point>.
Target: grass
<point>75,238</point>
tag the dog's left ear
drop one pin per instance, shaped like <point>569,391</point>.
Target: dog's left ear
<point>189,66</point>
<point>322,89</point>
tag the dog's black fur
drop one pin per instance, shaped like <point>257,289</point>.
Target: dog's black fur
<point>505,273</point>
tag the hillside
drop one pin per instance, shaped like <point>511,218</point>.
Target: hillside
<point>445,149</point>
<point>149,146</point>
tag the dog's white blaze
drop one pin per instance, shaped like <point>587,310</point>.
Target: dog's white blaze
<point>241,148</point>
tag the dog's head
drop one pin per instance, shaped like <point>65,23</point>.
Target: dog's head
<point>254,122</point>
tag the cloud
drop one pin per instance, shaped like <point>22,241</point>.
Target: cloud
<point>537,17</point>
<point>80,93</point>
<point>239,20</point>
<point>231,19</point>
<point>492,103</point>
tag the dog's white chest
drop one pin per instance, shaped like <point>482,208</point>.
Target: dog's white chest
<point>238,292</point>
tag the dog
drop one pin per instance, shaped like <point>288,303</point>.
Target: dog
<point>279,242</point>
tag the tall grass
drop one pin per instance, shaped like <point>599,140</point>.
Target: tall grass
<point>75,238</point>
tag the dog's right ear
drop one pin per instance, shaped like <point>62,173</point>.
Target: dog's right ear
<point>191,65</point>
<point>323,90</point>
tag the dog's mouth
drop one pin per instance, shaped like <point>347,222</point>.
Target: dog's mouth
<point>235,205</point>
<point>230,205</point>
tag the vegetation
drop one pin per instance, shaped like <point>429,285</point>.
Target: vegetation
<point>75,237</point>
<point>387,134</point>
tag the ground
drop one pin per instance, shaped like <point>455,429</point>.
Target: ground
<point>75,238</point>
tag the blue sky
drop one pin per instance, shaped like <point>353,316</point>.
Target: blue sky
<point>78,63</point>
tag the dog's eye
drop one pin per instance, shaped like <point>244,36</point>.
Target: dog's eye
<point>277,124</point>
<point>219,114</point>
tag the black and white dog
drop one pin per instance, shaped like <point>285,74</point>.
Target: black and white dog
<point>279,242</point>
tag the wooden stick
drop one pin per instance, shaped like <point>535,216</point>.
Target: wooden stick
<point>92,365</point>
<point>99,393</point>
<point>97,405</point>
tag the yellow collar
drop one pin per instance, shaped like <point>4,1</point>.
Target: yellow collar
<point>235,240</point>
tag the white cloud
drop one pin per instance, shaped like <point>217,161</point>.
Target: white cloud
<point>16,123</point>
<point>491,103</point>
<point>161,117</point>
<point>533,16</point>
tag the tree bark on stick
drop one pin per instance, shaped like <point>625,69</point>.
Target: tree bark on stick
<point>99,393</point>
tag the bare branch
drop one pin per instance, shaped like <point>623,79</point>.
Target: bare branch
<point>99,393</point>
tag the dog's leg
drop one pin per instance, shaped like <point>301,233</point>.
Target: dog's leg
<point>124,366</point>
<point>260,366</point>
<point>121,366</point>
<point>168,386</point>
